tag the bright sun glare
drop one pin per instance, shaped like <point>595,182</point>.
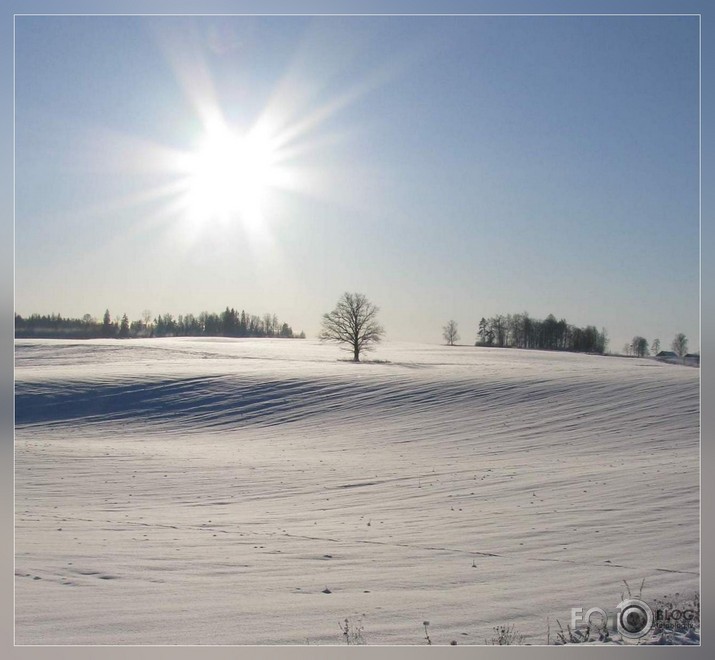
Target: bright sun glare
<point>229,175</point>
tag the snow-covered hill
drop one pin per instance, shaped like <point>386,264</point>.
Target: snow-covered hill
<point>213,491</point>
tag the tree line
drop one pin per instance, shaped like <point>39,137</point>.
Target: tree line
<point>639,346</point>
<point>523,331</point>
<point>229,323</point>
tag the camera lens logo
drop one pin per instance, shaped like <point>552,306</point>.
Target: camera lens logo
<point>634,619</point>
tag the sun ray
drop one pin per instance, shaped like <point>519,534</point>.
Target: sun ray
<point>224,176</point>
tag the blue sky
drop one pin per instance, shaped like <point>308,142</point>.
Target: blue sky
<point>448,167</point>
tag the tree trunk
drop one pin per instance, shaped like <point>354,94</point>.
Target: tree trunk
<point>356,354</point>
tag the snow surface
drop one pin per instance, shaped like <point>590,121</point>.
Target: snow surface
<point>193,491</point>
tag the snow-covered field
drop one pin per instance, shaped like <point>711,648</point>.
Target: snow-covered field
<point>188,491</point>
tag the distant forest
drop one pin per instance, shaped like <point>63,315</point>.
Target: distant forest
<point>522,331</point>
<point>228,323</point>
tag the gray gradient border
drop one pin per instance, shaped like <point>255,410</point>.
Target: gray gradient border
<point>11,7</point>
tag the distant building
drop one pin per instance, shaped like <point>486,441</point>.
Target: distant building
<point>666,355</point>
<point>690,359</point>
<point>693,359</point>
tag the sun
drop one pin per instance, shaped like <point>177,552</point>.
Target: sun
<point>229,174</point>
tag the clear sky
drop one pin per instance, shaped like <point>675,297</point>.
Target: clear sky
<point>447,167</point>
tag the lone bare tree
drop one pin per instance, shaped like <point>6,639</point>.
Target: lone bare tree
<point>450,334</point>
<point>353,322</point>
<point>680,345</point>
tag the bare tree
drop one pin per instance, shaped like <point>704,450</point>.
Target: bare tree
<point>353,322</point>
<point>639,346</point>
<point>146,319</point>
<point>450,334</point>
<point>270,324</point>
<point>680,345</point>
<point>655,346</point>
<point>499,327</point>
